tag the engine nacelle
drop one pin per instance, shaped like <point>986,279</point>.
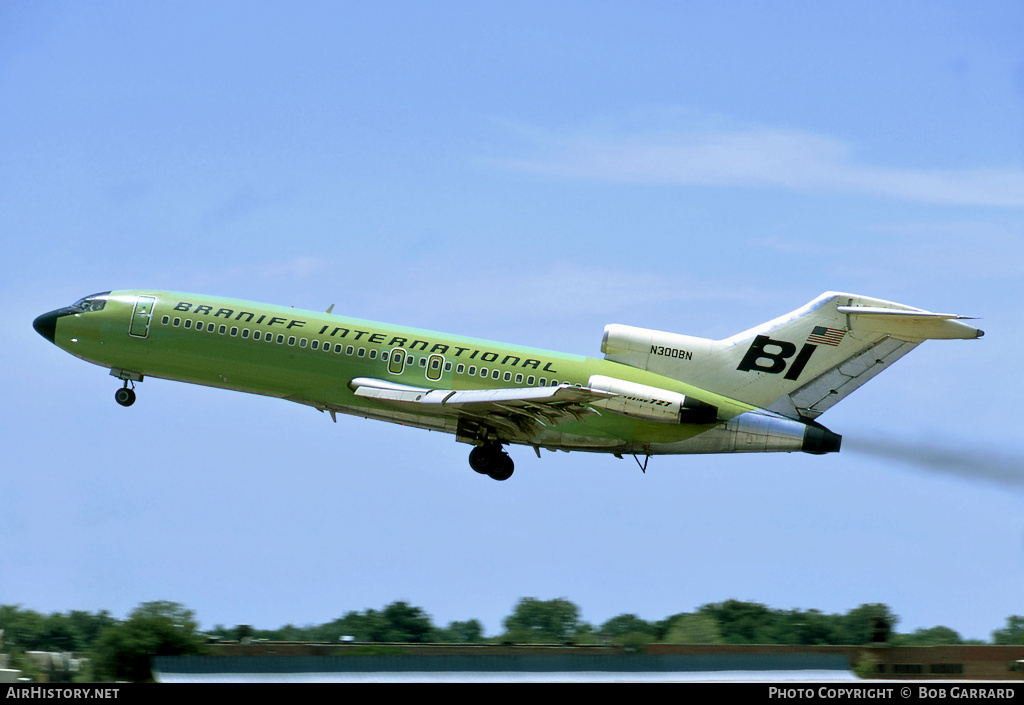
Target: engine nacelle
<point>683,357</point>
<point>651,403</point>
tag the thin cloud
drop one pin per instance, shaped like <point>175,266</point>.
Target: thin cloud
<point>232,279</point>
<point>764,158</point>
<point>557,290</point>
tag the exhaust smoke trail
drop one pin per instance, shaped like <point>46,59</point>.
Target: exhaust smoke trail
<point>1004,470</point>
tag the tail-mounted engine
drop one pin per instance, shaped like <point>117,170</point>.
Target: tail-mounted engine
<point>651,403</point>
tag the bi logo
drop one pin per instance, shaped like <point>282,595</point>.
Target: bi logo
<point>772,356</point>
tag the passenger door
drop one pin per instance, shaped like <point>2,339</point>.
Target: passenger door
<point>142,315</point>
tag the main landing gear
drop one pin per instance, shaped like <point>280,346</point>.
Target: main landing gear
<point>489,459</point>
<point>125,396</point>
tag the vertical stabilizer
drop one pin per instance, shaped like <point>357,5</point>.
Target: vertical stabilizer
<point>798,365</point>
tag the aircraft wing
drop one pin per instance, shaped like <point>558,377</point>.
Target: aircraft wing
<point>507,407</point>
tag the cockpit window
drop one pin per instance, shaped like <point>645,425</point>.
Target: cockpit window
<point>93,302</point>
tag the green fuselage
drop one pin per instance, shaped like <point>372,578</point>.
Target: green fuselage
<point>311,358</point>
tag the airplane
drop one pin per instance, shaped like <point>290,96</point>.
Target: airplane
<point>654,393</point>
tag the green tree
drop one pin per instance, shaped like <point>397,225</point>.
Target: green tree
<point>87,627</point>
<point>1013,633</point>
<point>288,632</point>
<point>623,624</point>
<point>398,622</point>
<point>867,666</point>
<point>742,622</point>
<point>936,636</point>
<point>628,631</point>
<point>58,634</point>
<point>693,629</point>
<point>467,632</point>
<point>544,621</point>
<point>23,629</point>
<point>406,623</point>
<point>810,627</point>
<point>123,651</point>
<point>867,624</point>
<point>361,626</point>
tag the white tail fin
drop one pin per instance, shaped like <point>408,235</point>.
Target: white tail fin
<point>798,365</point>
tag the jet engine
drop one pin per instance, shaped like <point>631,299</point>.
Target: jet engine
<point>651,403</point>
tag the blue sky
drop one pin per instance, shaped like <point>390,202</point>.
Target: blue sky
<point>525,172</point>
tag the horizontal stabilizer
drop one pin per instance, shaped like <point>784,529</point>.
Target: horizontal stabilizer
<point>876,311</point>
<point>912,325</point>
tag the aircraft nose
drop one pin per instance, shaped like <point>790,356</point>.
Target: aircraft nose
<point>46,325</point>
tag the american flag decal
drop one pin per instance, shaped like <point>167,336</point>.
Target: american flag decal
<point>826,336</point>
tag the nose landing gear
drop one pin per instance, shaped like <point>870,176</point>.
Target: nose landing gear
<point>489,459</point>
<point>125,396</point>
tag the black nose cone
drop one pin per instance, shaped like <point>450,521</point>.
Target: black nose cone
<point>46,325</point>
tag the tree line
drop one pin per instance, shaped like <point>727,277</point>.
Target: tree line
<point>120,649</point>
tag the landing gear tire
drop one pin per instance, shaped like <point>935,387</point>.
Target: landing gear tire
<point>125,396</point>
<point>492,461</point>
<point>504,470</point>
<point>481,459</point>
